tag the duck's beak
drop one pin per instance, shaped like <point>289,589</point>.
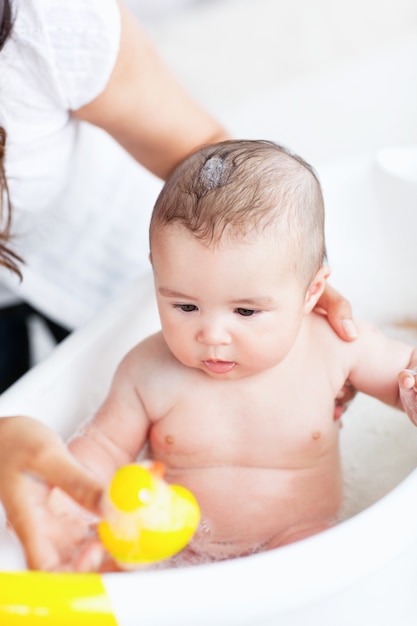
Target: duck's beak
<point>157,469</point>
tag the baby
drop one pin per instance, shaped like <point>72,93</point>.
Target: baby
<point>236,394</point>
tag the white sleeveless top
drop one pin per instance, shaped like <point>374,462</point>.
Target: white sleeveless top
<point>81,205</point>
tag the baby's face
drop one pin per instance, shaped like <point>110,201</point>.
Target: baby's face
<point>231,311</point>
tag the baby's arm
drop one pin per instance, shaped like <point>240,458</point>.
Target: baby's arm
<point>112,437</point>
<point>117,432</point>
<point>384,368</point>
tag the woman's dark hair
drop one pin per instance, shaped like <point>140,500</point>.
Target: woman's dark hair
<point>8,258</point>
<point>6,21</point>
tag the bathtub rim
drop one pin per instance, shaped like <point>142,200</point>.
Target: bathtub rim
<point>285,580</point>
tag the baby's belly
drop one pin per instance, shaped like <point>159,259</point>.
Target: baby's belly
<point>246,509</point>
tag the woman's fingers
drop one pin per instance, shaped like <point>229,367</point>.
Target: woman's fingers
<point>30,447</point>
<point>339,313</point>
<point>62,470</point>
<point>34,460</point>
<point>407,384</point>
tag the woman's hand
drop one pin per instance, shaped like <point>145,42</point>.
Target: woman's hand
<point>338,312</point>
<point>34,460</point>
<point>407,386</point>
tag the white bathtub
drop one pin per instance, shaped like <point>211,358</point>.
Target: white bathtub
<point>364,571</point>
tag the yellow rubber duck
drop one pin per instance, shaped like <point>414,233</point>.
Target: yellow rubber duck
<point>146,519</point>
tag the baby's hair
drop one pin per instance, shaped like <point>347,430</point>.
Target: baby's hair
<point>8,258</point>
<point>233,189</point>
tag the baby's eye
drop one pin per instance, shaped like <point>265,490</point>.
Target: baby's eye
<point>187,308</point>
<point>245,312</point>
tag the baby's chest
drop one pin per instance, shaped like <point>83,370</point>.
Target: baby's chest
<point>241,424</point>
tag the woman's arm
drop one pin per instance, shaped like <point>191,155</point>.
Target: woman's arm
<point>145,109</point>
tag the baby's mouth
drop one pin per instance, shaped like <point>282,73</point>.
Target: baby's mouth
<point>219,367</point>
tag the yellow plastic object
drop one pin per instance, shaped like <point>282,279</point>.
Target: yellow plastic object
<point>130,487</point>
<point>145,519</point>
<point>43,599</point>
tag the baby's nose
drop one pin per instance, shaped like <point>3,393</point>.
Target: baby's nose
<point>213,334</point>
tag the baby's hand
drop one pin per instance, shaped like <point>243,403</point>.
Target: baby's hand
<point>407,383</point>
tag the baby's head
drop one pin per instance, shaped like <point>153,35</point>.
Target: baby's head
<point>237,190</point>
<point>237,249</point>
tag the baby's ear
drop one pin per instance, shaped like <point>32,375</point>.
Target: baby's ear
<point>316,288</point>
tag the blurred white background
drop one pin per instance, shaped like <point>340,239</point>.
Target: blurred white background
<point>326,77</point>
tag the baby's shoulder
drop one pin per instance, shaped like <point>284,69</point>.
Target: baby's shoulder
<point>325,341</point>
<point>368,338</point>
<point>321,329</point>
<point>156,375</point>
<point>150,352</point>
